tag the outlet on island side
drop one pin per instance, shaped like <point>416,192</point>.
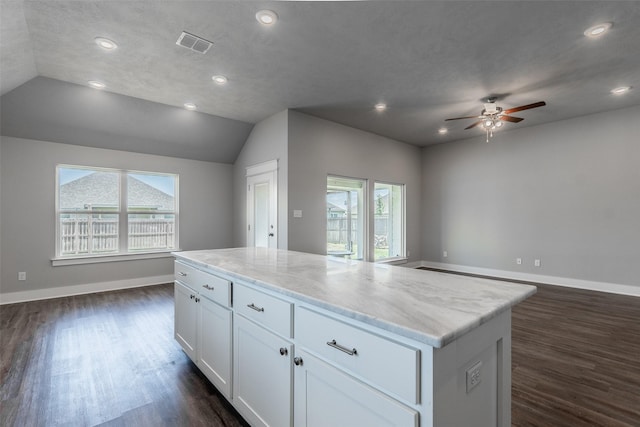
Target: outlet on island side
<point>536,263</point>
<point>445,254</point>
<point>519,261</point>
<point>474,376</point>
<point>22,275</point>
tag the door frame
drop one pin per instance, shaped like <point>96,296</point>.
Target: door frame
<point>257,174</point>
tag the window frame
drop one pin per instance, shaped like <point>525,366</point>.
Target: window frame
<point>123,212</point>
<point>364,221</point>
<point>403,226</point>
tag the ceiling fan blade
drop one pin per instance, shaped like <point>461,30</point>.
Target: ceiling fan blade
<point>473,125</point>
<point>460,118</point>
<point>525,107</point>
<point>511,119</point>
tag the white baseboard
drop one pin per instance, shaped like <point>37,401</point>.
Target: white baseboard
<point>89,288</point>
<point>614,288</point>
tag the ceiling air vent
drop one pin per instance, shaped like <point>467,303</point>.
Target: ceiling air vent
<point>194,43</point>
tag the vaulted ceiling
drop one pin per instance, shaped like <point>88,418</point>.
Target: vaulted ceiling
<point>427,61</point>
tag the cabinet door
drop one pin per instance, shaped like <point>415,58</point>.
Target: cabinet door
<point>214,344</point>
<point>186,317</point>
<point>326,396</point>
<point>262,375</point>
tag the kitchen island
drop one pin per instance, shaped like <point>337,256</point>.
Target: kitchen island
<point>298,339</point>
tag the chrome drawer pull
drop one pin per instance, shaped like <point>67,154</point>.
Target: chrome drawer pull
<point>181,273</point>
<point>208,287</point>
<point>253,307</point>
<point>337,346</point>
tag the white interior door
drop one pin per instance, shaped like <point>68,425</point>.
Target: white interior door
<point>262,206</point>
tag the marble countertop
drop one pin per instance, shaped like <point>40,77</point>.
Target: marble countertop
<point>427,306</point>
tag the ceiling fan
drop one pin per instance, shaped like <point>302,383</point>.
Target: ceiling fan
<point>492,116</point>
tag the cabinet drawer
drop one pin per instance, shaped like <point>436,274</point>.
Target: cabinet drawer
<point>389,365</point>
<point>269,311</point>
<point>208,285</point>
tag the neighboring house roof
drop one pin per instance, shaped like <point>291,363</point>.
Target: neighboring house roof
<point>101,189</point>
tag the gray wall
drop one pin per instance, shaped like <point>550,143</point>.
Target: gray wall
<point>318,148</point>
<point>28,216</point>
<point>267,141</point>
<point>567,193</point>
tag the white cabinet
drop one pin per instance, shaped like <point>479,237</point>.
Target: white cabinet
<point>262,390</point>
<point>263,371</point>
<point>348,376</point>
<point>186,318</point>
<point>214,344</point>
<point>326,396</point>
<point>203,327</point>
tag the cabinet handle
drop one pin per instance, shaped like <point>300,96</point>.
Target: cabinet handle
<point>337,346</point>
<point>183,274</point>
<point>197,299</point>
<point>253,307</point>
<point>208,287</point>
<point>297,361</point>
<point>192,296</point>
<point>283,351</point>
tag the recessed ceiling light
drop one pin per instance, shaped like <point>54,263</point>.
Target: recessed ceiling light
<point>598,30</point>
<point>621,90</point>
<point>190,106</point>
<point>381,106</point>
<point>219,79</point>
<point>96,84</point>
<point>443,131</point>
<point>105,43</point>
<point>266,17</point>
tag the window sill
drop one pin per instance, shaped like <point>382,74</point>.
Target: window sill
<point>393,261</point>
<point>58,262</point>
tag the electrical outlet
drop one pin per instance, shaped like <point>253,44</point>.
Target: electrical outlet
<point>536,263</point>
<point>445,254</point>
<point>22,275</point>
<point>519,261</point>
<point>474,376</point>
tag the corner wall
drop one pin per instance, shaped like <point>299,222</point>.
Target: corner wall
<point>267,141</point>
<point>318,148</point>
<point>567,193</point>
<point>27,201</point>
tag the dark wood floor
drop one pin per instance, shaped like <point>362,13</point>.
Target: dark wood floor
<point>110,359</point>
<point>576,359</point>
<point>105,359</point>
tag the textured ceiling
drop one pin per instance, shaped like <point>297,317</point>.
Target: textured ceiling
<point>427,60</point>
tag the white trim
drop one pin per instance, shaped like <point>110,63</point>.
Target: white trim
<point>393,260</point>
<point>614,288</point>
<point>89,288</point>
<point>264,167</point>
<point>57,262</point>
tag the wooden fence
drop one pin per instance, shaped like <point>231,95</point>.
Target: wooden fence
<point>86,235</point>
<point>337,232</point>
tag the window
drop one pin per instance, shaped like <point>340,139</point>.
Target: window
<point>345,217</point>
<point>388,221</point>
<point>114,212</point>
